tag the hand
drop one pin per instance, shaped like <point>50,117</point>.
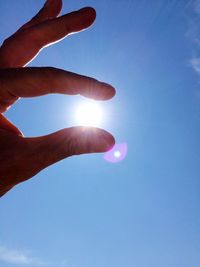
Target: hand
<point>21,158</point>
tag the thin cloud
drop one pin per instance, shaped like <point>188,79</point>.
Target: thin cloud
<point>195,63</point>
<point>193,34</point>
<point>19,257</point>
<point>197,6</point>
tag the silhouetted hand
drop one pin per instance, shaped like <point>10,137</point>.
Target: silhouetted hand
<point>20,157</point>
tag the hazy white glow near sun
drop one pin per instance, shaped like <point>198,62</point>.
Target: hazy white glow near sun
<point>89,114</point>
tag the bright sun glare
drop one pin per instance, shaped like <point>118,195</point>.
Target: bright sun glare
<point>89,114</point>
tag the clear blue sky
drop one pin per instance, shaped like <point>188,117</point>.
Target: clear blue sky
<point>144,211</point>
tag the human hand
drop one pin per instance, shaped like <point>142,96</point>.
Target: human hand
<point>21,158</point>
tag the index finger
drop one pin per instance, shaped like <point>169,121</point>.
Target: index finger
<point>37,81</point>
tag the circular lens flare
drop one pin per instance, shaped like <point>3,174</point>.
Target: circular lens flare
<point>89,114</point>
<point>117,153</point>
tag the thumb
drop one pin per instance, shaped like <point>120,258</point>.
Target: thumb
<point>29,156</point>
<point>68,142</point>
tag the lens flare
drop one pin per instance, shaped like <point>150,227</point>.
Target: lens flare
<point>89,114</point>
<point>117,153</point>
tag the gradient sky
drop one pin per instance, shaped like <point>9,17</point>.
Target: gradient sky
<point>143,211</point>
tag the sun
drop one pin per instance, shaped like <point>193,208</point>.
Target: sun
<point>89,114</point>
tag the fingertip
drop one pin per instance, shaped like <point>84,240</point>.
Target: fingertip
<point>54,6</point>
<point>109,91</point>
<point>101,140</point>
<point>102,91</point>
<point>50,3</point>
<point>90,11</point>
<point>89,15</point>
<point>110,142</point>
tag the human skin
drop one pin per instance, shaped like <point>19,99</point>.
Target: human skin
<point>23,157</point>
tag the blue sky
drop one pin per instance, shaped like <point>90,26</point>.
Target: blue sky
<point>143,211</point>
